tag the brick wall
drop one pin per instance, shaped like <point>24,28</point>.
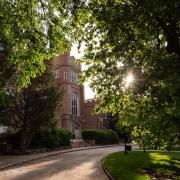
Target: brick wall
<point>86,118</point>
<point>65,63</point>
<point>92,120</point>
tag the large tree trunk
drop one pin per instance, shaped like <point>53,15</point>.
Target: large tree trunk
<point>31,135</point>
<point>25,126</point>
<point>144,149</point>
<point>23,139</point>
<point>171,32</point>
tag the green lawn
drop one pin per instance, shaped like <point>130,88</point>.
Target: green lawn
<point>140,166</point>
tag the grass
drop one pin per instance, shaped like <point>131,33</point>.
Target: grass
<point>140,166</point>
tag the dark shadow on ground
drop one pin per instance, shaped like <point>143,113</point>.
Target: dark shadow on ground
<point>165,169</point>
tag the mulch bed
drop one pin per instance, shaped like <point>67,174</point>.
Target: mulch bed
<point>164,174</point>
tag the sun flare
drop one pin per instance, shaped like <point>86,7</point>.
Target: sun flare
<point>128,80</point>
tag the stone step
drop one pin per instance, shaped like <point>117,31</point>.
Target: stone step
<point>77,143</point>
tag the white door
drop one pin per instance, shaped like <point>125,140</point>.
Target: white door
<point>77,132</point>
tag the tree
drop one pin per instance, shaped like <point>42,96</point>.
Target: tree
<point>32,31</point>
<point>32,108</point>
<point>139,38</point>
<point>111,121</point>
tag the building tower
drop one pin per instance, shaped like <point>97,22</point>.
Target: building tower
<point>66,73</point>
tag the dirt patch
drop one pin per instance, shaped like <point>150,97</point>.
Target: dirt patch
<point>164,174</point>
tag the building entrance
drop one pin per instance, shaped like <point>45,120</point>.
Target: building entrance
<point>77,131</point>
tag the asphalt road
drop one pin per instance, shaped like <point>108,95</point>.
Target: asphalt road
<point>78,165</point>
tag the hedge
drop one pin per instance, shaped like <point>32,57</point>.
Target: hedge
<point>51,138</point>
<point>101,136</point>
<point>47,138</point>
<point>11,138</point>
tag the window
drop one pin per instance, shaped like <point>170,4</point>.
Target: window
<point>75,104</point>
<point>74,77</point>
<point>56,73</point>
<point>65,75</point>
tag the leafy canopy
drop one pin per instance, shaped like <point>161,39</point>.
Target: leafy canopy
<point>31,32</point>
<point>141,38</point>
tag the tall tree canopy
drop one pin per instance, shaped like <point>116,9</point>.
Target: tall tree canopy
<point>31,31</point>
<point>140,38</point>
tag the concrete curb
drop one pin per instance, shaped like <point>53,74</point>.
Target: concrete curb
<point>54,154</point>
<point>107,172</point>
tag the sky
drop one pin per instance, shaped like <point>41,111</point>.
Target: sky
<point>74,52</point>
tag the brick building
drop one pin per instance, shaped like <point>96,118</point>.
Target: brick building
<point>92,120</point>
<point>75,112</point>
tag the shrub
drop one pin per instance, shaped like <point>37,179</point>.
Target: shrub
<point>101,136</point>
<point>46,138</point>
<point>51,138</point>
<point>11,138</point>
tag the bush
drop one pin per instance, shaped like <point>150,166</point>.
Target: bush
<point>101,136</point>
<point>51,138</point>
<point>11,138</point>
<point>47,138</point>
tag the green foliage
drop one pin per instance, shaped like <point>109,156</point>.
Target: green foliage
<point>101,136</point>
<point>11,138</point>
<point>138,165</point>
<point>45,138</point>
<point>31,32</point>
<point>32,108</point>
<point>131,37</point>
<point>51,138</point>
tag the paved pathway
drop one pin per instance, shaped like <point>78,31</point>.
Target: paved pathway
<point>78,165</point>
<point>11,160</point>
